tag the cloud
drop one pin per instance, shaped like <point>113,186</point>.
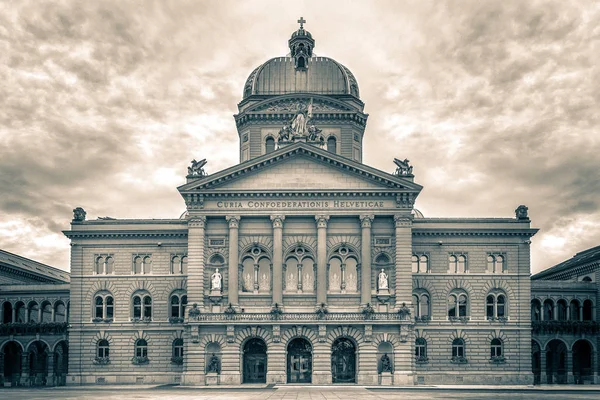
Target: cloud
<point>104,104</point>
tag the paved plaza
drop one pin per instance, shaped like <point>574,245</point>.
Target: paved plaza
<point>293,393</point>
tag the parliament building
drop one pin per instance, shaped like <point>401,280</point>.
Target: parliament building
<point>299,265</point>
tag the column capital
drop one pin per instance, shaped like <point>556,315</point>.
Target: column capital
<point>234,221</point>
<point>197,221</point>
<point>366,220</point>
<point>402,220</point>
<point>322,220</point>
<point>277,220</point>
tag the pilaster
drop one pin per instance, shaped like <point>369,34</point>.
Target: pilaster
<point>233,286</point>
<point>277,258</point>
<point>195,280</point>
<point>403,238</point>
<point>322,258</point>
<point>365,289</point>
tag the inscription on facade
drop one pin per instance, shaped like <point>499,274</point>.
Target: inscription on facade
<point>301,204</point>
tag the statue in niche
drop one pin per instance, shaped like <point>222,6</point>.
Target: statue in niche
<point>216,280</point>
<point>386,363</point>
<point>383,280</point>
<point>197,168</point>
<point>213,364</point>
<point>403,167</point>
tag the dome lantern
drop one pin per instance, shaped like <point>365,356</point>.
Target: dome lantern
<point>301,46</point>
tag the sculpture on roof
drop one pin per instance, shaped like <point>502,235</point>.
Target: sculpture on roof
<point>197,168</point>
<point>79,214</point>
<point>300,126</point>
<point>403,167</point>
<point>522,212</point>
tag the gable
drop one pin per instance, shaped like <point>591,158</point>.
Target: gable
<point>301,173</point>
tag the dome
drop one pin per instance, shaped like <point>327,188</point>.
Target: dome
<point>321,75</point>
<point>301,72</point>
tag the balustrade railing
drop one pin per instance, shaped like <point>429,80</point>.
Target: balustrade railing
<point>32,328</point>
<point>575,327</point>
<point>330,316</point>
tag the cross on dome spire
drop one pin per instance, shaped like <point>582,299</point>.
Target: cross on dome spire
<point>301,21</point>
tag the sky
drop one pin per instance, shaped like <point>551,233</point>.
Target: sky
<point>104,104</point>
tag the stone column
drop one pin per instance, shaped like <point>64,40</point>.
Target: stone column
<point>569,367</point>
<point>277,258</point>
<point>322,258</point>
<point>543,367</point>
<point>233,287</point>
<point>1,369</point>
<point>195,281</point>
<point>50,364</point>
<point>25,368</point>
<point>14,314</point>
<point>299,270</point>
<point>365,250</point>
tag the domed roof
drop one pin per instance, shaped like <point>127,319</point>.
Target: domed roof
<point>322,75</point>
<point>301,72</point>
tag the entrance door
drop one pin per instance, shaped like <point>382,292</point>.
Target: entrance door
<point>343,361</point>
<point>299,361</point>
<point>255,361</point>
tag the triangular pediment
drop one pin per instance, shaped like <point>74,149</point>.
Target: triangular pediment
<point>301,168</point>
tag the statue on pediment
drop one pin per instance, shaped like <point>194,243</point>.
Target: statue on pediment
<point>197,168</point>
<point>403,167</point>
<point>522,212</point>
<point>300,126</point>
<point>79,214</point>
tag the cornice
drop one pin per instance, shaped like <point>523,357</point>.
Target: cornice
<point>261,117</point>
<point>125,234</point>
<point>474,232</point>
<point>25,274</point>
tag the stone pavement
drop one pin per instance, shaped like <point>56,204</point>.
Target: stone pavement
<point>285,392</point>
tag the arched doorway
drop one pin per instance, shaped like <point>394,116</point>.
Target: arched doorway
<point>582,361</point>
<point>536,362</point>
<point>556,362</point>
<point>61,363</point>
<point>343,361</point>
<point>38,363</point>
<point>299,361</point>
<point>255,361</point>
<point>12,362</point>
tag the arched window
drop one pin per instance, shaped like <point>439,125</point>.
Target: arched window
<point>415,264</point>
<point>20,312</point>
<point>496,349</point>
<point>548,310</point>
<point>103,349</point>
<point>421,350</point>
<point>332,144</point>
<point>462,264</point>
<point>575,310</point>
<point>178,303</point>
<point>46,312</point>
<point>536,310</point>
<point>495,306</point>
<point>7,313</point>
<point>458,349</point>
<point>420,263</point>
<point>177,353</point>
<point>33,312</point>
<point>141,348</point>
<point>452,264</point>
<point>110,265</point>
<point>421,303</point>
<point>586,279</point>
<point>60,312</point>
<point>142,264</point>
<point>561,310</point>
<point>457,305</point>
<point>496,264</point>
<point>100,266</point>
<point>587,310</point>
<point>179,264</point>
<point>142,307</point>
<point>269,145</point>
<point>104,307</point>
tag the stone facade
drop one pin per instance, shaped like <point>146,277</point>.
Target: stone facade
<point>300,264</point>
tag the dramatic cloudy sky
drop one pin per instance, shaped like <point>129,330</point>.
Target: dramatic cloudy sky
<point>103,104</point>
